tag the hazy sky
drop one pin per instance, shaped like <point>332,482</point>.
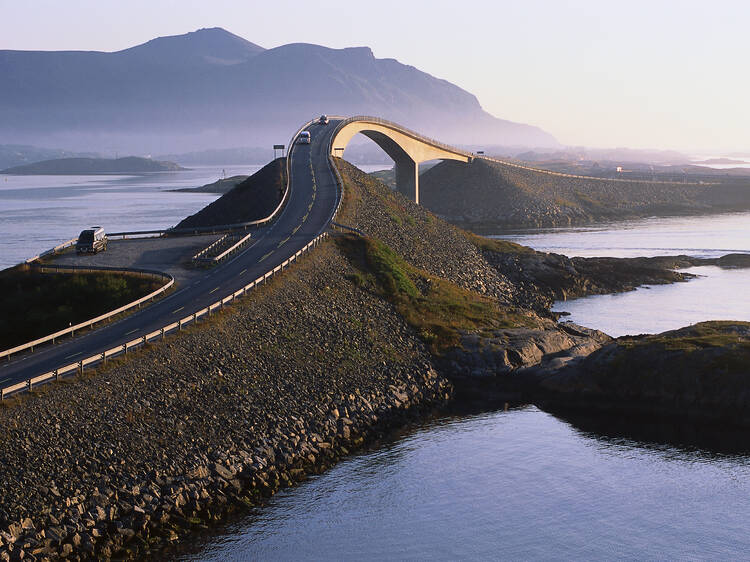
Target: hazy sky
<point>658,74</point>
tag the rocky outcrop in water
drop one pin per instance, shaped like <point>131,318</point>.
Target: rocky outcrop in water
<point>701,371</point>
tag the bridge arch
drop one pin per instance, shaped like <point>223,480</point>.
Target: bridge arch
<point>405,147</point>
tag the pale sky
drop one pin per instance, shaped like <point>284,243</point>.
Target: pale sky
<point>642,74</point>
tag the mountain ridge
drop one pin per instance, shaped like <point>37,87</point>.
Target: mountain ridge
<point>213,89</point>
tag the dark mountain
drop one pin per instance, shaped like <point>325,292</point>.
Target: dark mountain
<point>213,89</point>
<point>83,166</point>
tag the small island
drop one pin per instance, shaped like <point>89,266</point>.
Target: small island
<point>85,166</point>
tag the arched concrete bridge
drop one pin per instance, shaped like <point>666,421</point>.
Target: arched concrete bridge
<point>405,147</point>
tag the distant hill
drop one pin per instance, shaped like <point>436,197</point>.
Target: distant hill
<point>213,89</point>
<point>490,196</point>
<point>83,166</point>
<point>222,157</point>
<point>18,155</point>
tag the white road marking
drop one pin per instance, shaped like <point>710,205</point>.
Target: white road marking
<point>131,331</point>
<point>69,356</point>
<point>177,310</point>
<point>213,290</point>
<point>243,271</point>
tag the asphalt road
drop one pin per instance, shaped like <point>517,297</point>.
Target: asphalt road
<point>307,213</point>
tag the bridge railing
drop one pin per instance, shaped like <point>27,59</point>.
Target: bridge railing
<point>101,318</point>
<point>575,176</point>
<point>77,367</point>
<point>408,132</point>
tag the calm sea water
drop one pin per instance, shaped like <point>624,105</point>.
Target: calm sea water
<point>514,485</point>
<point>38,212</point>
<point>525,484</point>
<point>717,294</point>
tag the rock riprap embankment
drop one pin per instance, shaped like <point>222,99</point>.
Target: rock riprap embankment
<point>286,382</point>
<point>424,240</point>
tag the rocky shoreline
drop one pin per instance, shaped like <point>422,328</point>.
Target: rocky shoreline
<point>117,462</point>
<point>121,462</point>
<point>699,372</point>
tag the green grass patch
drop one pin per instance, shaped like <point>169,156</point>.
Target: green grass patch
<point>35,304</point>
<point>438,309</point>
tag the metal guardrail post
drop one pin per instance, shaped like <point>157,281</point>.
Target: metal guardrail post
<point>57,375</point>
<point>80,367</point>
<point>125,349</point>
<point>104,358</point>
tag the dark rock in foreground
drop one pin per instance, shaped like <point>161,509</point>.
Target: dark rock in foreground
<point>701,371</point>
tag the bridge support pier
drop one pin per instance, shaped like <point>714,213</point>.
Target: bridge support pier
<point>405,147</point>
<point>407,178</point>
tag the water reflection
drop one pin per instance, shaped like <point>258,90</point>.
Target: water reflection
<point>677,438</point>
<point>517,484</point>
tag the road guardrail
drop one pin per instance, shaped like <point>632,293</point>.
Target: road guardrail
<point>78,367</point>
<point>88,323</point>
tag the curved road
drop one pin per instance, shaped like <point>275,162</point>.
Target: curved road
<point>307,213</point>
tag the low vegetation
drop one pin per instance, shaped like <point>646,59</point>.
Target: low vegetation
<point>436,308</point>
<point>496,245</point>
<point>36,304</point>
<point>701,370</point>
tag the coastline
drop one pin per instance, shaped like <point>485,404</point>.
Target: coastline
<point>311,367</point>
